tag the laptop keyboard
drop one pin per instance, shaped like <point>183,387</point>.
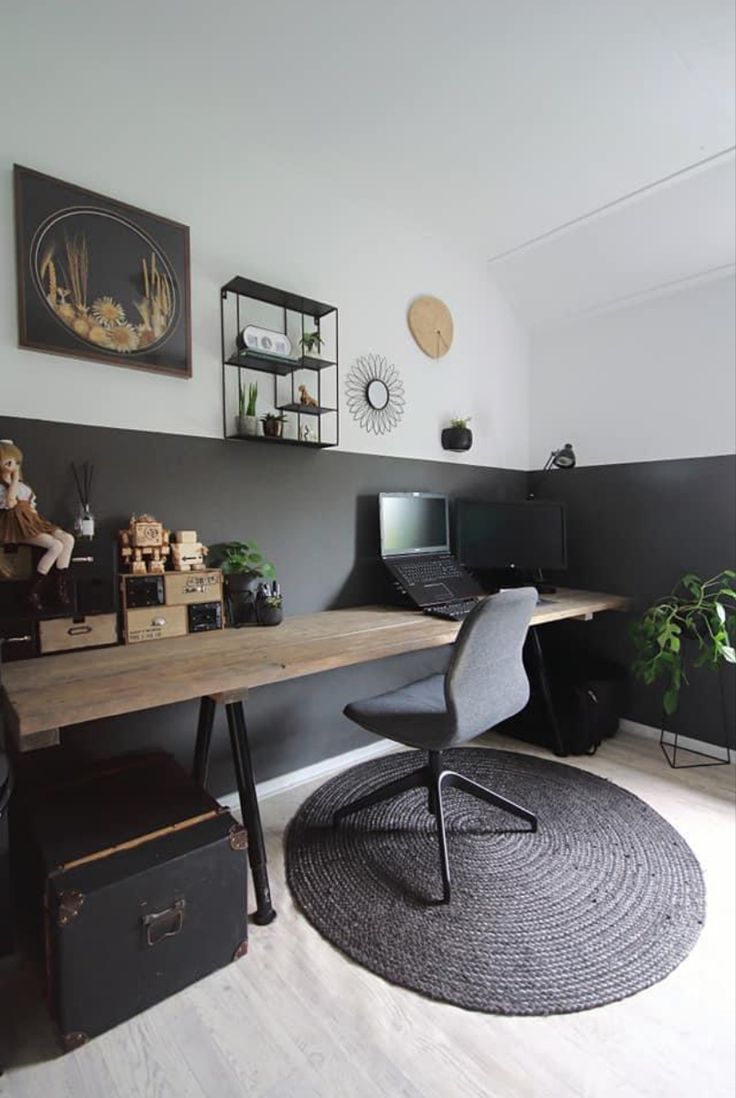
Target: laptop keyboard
<point>455,611</point>
<point>425,571</point>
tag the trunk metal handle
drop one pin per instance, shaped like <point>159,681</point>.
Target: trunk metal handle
<point>171,920</point>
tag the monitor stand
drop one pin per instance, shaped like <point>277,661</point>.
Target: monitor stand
<point>542,586</point>
<point>495,580</point>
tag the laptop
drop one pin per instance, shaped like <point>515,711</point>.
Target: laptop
<point>415,547</point>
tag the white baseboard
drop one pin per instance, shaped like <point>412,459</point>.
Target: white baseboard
<point>687,743</point>
<point>323,769</point>
<point>327,767</point>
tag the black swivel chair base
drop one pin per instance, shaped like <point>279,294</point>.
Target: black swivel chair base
<point>432,778</point>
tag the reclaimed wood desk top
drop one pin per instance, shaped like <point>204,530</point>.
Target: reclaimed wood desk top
<point>43,695</point>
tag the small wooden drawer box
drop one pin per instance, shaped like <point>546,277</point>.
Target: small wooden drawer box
<point>189,587</point>
<point>64,634</point>
<point>155,623</point>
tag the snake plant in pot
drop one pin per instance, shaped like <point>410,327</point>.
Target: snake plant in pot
<point>247,403</point>
<point>694,626</point>
<point>244,567</point>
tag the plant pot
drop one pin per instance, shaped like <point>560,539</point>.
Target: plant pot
<point>269,615</point>
<point>457,438</point>
<point>240,592</point>
<point>273,428</point>
<point>247,425</point>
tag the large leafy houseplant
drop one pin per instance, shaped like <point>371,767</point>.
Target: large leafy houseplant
<point>697,610</point>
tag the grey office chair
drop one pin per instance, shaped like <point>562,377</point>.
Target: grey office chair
<point>485,684</point>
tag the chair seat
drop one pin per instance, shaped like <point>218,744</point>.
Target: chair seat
<point>415,715</point>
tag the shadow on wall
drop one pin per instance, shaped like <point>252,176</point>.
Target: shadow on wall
<point>369,581</point>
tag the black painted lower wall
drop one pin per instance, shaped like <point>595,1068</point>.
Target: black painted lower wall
<point>632,529</point>
<point>636,529</point>
<point>313,513</point>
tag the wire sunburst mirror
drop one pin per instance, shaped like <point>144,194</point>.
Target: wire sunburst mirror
<point>375,394</point>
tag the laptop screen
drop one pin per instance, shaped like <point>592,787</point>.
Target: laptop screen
<point>413,522</point>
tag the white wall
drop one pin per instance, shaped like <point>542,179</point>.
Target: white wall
<point>122,122</point>
<point>650,381</point>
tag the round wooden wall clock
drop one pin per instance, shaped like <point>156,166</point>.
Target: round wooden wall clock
<point>430,322</point>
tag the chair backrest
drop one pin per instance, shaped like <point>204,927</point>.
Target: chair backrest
<point>486,681</point>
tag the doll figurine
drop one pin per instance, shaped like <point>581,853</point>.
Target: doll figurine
<point>21,524</point>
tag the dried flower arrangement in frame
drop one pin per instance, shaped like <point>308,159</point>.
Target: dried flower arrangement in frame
<point>101,280</point>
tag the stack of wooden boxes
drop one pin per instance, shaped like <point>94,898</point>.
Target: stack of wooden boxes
<point>171,604</point>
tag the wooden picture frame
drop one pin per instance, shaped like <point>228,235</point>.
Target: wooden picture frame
<point>99,279</point>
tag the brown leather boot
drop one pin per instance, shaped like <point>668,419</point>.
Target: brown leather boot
<point>63,587</point>
<point>35,595</point>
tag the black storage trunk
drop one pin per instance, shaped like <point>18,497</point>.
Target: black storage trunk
<point>141,879</point>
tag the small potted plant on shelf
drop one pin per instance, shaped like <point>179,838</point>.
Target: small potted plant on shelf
<point>247,400</point>
<point>273,424</point>
<point>244,567</point>
<point>689,628</point>
<point>458,435</point>
<point>311,344</point>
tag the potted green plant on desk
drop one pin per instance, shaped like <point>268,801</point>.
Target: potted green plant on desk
<point>691,627</point>
<point>244,567</point>
<point>270,610</point>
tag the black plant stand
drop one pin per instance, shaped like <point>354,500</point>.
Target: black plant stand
<point>712,760</point>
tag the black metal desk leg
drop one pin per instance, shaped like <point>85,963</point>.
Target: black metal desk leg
<point>559,747</point>
<point>251,815</point>
<point>201,763</point>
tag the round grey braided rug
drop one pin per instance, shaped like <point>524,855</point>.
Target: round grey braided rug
<point>604,900</point>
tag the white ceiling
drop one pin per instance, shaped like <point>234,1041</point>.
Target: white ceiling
<point>677,232</point>
<point>488,122</point>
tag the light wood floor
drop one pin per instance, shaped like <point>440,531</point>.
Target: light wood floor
<point>295,1019</point>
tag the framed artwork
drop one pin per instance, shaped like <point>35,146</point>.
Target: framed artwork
<point>101,280</point>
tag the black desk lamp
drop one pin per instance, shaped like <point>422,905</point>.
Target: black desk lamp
<point>564,458</point>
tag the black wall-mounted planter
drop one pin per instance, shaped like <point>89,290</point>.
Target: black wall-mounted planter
<point>457,438</point>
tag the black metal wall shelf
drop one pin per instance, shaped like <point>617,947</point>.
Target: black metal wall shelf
<point>280,441</point>
<point>243,302</point>
<point>305,409</point>
<point>283,299</point>
<point>276,364</point>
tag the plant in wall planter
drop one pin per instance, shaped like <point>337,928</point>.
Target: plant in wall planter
<point>244,568</point>
<point>458,435</point>
<point>311,344</point>
<point>273,425</point>
<point>247,401</point>
<point>692,627</point>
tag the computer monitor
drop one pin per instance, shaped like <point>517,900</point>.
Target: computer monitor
<point>527,535</point>
<point>413,522</point>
